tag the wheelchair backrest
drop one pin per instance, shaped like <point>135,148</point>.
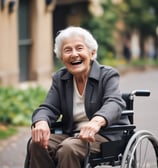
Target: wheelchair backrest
<point>129,100</point>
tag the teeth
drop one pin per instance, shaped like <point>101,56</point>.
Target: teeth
<point>76,62</point>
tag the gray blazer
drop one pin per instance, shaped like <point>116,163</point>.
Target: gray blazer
<point>102,98</point>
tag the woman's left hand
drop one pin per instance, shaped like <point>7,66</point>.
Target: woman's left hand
<point>88,131</point>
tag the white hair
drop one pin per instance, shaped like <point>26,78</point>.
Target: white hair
<point>69,32</point>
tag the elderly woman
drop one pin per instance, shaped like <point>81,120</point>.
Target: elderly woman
<point>86,95</point>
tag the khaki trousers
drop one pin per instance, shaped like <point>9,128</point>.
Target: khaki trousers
<point>63,152</point>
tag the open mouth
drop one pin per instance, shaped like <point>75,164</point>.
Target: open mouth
<point>76,62</point>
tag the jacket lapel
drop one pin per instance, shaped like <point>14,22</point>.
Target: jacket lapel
<point>69,96</point>
<point>90,95</point>
<point>68,79</point>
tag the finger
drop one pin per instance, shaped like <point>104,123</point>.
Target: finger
<point>45,144</point>
<point>87,137</point>
<point>45,140</point>
<point>91,137</point>
<point>85,131</point>
<point>36,135</point>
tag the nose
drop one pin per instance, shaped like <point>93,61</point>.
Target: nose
<point>74,53</point>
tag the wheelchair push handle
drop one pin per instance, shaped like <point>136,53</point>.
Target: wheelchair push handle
<point>140,93</point>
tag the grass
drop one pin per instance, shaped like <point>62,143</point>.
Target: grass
<point>7,131</point>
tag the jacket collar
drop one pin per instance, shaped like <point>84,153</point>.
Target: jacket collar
<point>94,72</point>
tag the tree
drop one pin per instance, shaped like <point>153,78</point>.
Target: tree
<point>102,28</point>
<point>140,15</point>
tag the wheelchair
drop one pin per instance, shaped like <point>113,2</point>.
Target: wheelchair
<point>136,149</point>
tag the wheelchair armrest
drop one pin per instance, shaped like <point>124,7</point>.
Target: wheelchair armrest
<point>140,93</point>
<point>126,127</point>
<point>120,128</point>
<point>127,113</point>
<point>57,127</point>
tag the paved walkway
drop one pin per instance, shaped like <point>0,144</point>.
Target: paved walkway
<point>13,150</point>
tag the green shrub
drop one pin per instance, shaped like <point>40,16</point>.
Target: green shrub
<point>144,62</point>
<point>16,105</point>
<point>103,28</point>
<point>114,62</point>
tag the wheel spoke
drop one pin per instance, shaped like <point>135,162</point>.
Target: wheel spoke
<point>141,152</point>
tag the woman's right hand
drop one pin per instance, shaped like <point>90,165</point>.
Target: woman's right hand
<point>41,133</point>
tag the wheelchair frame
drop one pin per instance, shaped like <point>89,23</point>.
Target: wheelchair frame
<point>122,152</point>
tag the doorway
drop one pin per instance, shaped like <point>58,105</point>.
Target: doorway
<point>24,39</point>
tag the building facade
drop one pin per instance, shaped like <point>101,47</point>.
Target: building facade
<point>27,30</point>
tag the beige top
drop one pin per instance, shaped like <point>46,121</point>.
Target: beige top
<point>79,113</point>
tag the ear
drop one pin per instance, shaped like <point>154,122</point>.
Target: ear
<point>93,54</point>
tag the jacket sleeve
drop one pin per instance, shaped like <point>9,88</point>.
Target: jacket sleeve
<point>50,109</point>
<point>112,103</point>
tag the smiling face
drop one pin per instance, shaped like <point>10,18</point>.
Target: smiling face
<point>76,56</point>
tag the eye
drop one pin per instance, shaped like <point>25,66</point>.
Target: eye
<point>80,48</point>
<point>67,50</point>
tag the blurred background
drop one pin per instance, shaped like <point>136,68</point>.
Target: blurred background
<point>126,31</point>
<point>127,34</point>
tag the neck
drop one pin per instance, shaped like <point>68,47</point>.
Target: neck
<point>81,79</point>
<point>81,82</point>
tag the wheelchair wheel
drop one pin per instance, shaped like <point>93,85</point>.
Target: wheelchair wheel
<point>141,151</point>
